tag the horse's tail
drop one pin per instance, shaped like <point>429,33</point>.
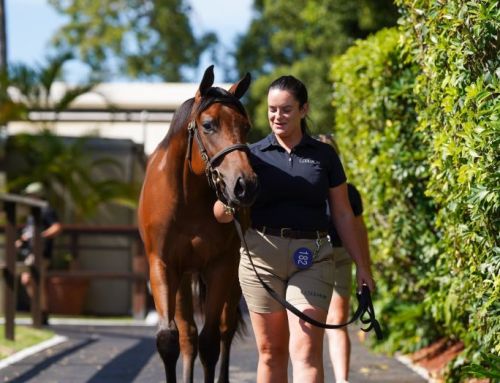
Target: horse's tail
<point>199,293</point>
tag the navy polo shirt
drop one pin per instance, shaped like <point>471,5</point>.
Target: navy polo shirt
<point>294,186</point>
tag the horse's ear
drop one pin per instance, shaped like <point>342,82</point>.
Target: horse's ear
<point>207,81</point>
<point>239,88</point>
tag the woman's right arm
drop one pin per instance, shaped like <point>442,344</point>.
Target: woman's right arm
<point>350,233</point>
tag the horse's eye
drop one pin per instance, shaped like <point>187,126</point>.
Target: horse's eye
<point>208,127</point>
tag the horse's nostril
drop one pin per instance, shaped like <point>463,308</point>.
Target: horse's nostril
<point>240,188</point>
<point>245,190</point>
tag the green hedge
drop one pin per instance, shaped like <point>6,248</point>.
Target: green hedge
<point>386,158</point>
<point>456,44</point>
<point>417,121</point>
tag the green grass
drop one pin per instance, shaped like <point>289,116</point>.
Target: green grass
<point>25,336</point>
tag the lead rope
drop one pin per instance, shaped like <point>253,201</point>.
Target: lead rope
<point>365,305</point>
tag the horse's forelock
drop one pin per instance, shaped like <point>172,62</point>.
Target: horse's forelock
<point>216,94</point>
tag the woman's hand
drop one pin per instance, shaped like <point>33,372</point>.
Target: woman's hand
<point>222,212</point>
<point>364,277</point>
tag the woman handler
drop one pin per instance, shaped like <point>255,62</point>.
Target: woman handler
<point>288,237</point>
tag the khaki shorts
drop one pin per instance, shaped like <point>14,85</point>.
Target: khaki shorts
<point>343,272</point>
<point>273,259</point>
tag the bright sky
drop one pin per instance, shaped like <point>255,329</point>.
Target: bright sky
<point>31,23</point>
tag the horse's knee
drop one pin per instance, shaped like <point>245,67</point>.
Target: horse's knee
<point>167,344</point>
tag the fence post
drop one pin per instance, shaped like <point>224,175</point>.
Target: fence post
<point>139,291</point>
<point>10,270</point>
<point>37,269</point>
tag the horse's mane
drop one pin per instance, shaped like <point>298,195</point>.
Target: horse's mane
<point>212,95</point>
<point>180,116</point>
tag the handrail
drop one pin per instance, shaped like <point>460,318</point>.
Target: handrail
<point>23,200</point>
<point>100,229</point>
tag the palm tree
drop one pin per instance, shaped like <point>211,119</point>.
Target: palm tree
<point>65,168</point>
<point>31,88</point>
<point>69,173</point>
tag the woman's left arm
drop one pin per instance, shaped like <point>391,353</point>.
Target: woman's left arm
<point>348,230</point>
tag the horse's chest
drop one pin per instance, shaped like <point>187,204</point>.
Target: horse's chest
<point>211,243</point>
<point>200,247</point>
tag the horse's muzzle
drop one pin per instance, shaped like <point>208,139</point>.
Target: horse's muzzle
<point>245,191</point>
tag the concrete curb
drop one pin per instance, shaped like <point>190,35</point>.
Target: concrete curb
<point>416,369</point>
<point>85,322</point>
<point>14,358</point>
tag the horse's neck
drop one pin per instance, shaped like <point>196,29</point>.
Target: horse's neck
<point>195,187</point>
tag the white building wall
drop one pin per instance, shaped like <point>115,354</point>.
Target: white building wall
<point>141,112</point>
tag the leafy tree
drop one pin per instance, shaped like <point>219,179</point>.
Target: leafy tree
<point>140,38</point>
<point>300,40</point>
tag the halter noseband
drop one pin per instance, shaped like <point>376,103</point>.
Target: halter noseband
<point>213,176</point>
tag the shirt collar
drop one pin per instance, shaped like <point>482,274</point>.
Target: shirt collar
<point>271,142</point>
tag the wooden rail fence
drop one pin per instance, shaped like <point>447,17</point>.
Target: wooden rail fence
<point>138,273</point>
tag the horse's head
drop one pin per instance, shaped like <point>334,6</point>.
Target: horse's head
<point>220,125</point>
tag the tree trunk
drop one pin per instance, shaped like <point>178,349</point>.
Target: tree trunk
<point>3,73</point>
<point>3,38</point>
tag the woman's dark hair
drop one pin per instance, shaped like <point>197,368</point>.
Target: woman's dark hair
<point>297,89</point>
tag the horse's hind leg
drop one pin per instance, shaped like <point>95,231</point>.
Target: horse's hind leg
<point>167,337</point>
<point>188,333</point>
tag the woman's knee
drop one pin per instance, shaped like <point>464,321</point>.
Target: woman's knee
<point>339,310</point>
<point>269,350</point>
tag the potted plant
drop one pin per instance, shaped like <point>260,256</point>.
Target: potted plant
<point>66,293</point>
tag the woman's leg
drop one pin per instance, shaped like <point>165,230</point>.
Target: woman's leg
<point>306,345</point>
<point>339,344</point>
<point>271,335</point>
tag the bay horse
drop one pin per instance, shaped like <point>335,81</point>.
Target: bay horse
<point>203,157</point>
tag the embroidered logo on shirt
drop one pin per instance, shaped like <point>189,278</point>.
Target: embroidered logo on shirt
<point>308,161</point>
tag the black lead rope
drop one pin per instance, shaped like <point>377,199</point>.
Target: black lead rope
<point>365,305</point>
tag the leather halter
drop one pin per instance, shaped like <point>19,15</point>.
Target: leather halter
<point>213,176</point>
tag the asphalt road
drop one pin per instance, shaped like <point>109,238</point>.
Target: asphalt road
<point>118,354</point>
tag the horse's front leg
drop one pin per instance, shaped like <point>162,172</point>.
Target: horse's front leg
<point>219,280</point>
<point>188,333</point>
<point>230,320</point>
<point>163,289</point>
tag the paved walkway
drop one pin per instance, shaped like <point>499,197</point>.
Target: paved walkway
<point>119,354</point>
